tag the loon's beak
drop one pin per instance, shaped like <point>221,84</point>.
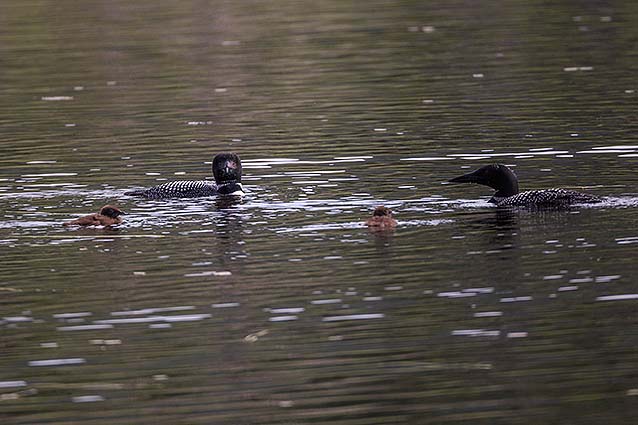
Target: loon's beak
<point>467,178</point>
<point>230,168</point>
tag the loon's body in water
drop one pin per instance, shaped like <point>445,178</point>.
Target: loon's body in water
<point>108,216</point>
<point>227,173</point>
<point>504,181</point>
<point>381,219</point>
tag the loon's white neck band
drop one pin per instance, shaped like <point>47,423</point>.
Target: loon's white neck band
<point>239,189</point>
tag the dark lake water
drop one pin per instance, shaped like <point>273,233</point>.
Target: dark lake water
<point>283,308</point>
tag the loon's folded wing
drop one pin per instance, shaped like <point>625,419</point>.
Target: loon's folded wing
<point>177,189</point>
<point>548,198</point>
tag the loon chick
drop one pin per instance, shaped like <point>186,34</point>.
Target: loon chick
<point>108,216</point>
<point>227,173</point>
<point>381,219</point>
<point>504,181</point>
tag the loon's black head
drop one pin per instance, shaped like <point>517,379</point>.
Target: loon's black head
<point>111,211</point>
<point>496,176</point>
<point>226,168</point>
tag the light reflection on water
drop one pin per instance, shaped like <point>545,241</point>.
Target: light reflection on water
<point>282,307</point>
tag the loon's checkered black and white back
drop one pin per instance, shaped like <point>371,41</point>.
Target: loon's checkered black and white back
<point>178,189</point>
<point>546,198</point>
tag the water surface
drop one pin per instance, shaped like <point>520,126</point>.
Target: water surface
<point>283,308</point>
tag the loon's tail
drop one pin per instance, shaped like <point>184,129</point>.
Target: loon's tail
<point>138,192</point>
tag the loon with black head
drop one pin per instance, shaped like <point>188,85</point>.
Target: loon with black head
<point>227,173</point>
<point>504,181</point>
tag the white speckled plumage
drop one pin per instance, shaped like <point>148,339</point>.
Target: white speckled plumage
<point>179,189</point>
<point>546,197</point>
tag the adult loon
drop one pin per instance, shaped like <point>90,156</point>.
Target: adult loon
<point>227,173</point>
<point>381,219</point>
<point>108,216</point>
<point>504,181</point>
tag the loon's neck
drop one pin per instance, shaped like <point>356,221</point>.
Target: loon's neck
<point>498,197</point>
<point>506,188</point>
<point>232,187</point>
